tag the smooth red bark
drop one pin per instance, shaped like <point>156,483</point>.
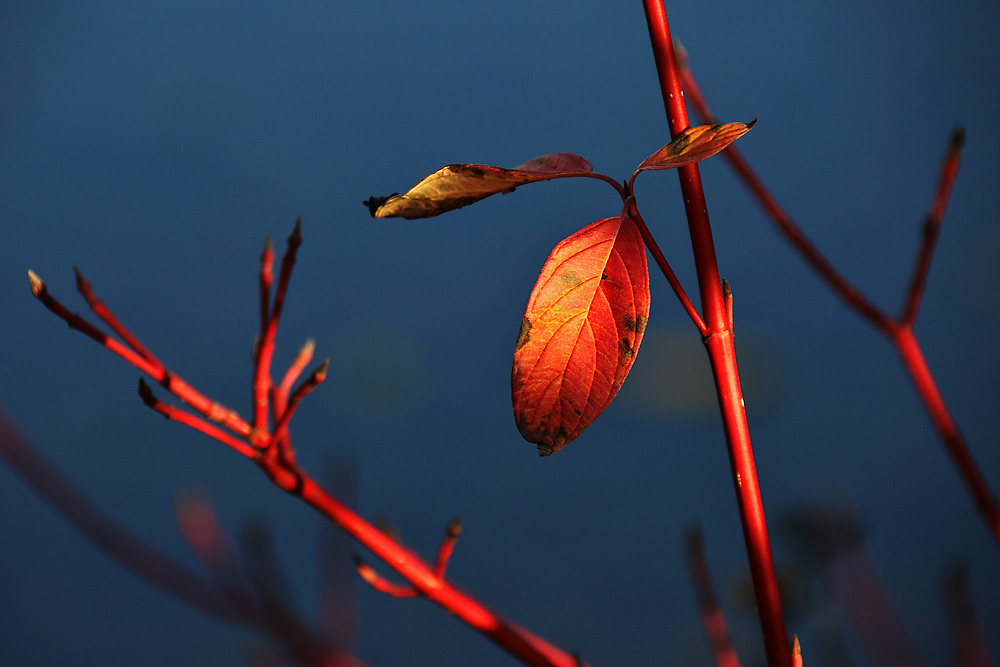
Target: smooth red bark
<point>722,355</point>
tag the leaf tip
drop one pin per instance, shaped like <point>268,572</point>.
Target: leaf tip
<point>375,203</point>
<point>751,123</point>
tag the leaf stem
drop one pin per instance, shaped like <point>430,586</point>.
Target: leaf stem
<point>668,273</point>
<point>722,354</point>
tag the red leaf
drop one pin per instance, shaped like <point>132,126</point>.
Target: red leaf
<point>695,144</point>
<point>554,163</point>
<point>580,333</point>
<point>458,185</point>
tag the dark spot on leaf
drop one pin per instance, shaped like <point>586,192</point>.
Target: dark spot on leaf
<point>604,275</point>
<point>628,323</point>
<point>640,324</point>
<point>525,334</point>
<point>569,278</point>
<point>625,348</point>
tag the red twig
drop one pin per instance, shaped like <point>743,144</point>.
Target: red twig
<point>186,418</point>
<point>172,383</point>
<point>447,547</point>
<point>265,281</point>
<point>932,228</point>
<point>106,316</point>
<point>262,381</point>
<point>915,363</point>
<point>380,583</point>
<point>722,354</point>
<point>784,222</point>
<point>899,331</point>
<point>284,473</point>
<point>282,441</point>
<point>299,364</point>
<point>310,383</point>
<point>665,269</point>
<point>708,605</point>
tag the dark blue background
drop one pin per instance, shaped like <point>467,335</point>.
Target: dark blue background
<point>155,145</point>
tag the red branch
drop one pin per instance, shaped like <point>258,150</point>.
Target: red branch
<point>262,446</point>
<point>899,331</point>
<point>722,353</point>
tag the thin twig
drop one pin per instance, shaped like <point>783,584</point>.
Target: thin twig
<point>195,422</point>
<point>932,228</point>
<point>666,270</point>
<point>106,316</point>
<point>380,583</point>
<point>784,222</point>
<point>447,547</point>
<point>171,382</point>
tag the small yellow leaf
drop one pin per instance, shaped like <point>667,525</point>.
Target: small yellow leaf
<point>458,185</point>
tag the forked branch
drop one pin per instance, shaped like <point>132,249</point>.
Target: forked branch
<point>269,447</point>
<point>898,329</point>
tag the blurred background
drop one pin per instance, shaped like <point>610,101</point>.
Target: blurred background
<point>156,145</point>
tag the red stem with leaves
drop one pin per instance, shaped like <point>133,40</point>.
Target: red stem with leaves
<point>718,339</point>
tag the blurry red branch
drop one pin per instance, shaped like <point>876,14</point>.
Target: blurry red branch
<point>898,329</point>
<point>225,596</point>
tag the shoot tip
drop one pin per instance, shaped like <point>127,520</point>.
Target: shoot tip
<point>37,285</point>
<point>958,138</point>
